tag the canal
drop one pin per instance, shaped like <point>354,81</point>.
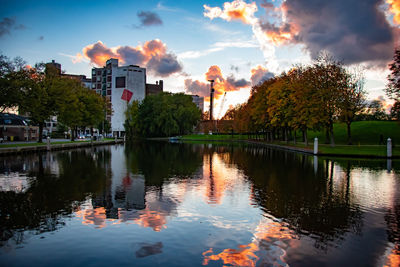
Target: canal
<point>158,203</point>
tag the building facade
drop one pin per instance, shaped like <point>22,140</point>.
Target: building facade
<point>121,85</point>
<point>199,101</point>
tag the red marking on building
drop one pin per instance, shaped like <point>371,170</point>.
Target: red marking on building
<point>126,95</point>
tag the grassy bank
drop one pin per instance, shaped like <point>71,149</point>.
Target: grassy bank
<point>366,136</point>
<point>39,144</point>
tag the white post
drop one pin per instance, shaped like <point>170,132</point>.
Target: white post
<point>48,142</point>
<point>315,146</point>
<point>389,148</point>
<point>115,139</point>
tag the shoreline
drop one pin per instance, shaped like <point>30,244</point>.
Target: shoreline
<point>292,148</point>
<point>53,147</point>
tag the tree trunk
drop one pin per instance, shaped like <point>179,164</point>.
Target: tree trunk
<point>40,139</point>
<point>327,136</point>
<point>331,135</point>
<point>349,142</point>
<point>305,137</point>
<point>294,136</point>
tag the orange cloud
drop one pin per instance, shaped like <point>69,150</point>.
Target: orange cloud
<point>221,84</point>
<point>394,7</point>
<point>153,55</point>
<point>236,10</point>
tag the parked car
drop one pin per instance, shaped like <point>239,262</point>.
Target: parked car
<point>81,136</point>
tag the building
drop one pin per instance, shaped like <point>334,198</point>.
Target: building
<point>199,101</point>
<point>121,85</point>
<point>16,128</point>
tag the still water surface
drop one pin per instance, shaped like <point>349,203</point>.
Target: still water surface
<point>164,204</point>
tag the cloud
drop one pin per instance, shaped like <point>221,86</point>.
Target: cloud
<point>148,18</point>
<point>244,12</point>
<point>9,24</point>
<point>152,55</point>
<point>260,74</point>
<point>221,84</point>
<point>236,10</point>
<point>41,38</point>
<point>394,7</point>
<point>351,30</point>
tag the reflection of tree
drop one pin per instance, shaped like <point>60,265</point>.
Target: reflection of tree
<point>161,160</point>
<point>51,196</point>
<point>287,186</point>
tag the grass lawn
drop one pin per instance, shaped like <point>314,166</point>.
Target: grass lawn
<point>363,132</point>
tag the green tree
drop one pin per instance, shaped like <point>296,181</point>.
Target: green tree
<point>163,114</point>
<point>41,94</point>
<point>93,108</point>
<point>10,72</point>
<point>393,87</point>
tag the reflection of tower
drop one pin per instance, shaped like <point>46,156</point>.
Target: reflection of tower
<point>211,99</point>
<point>212,182</point>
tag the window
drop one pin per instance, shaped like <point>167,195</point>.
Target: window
<point>120,82</point>
<point>108,92</point>
<point>98,78</point>
<point>99,86</point>
<point>99,72</point>
<point>109,79</point>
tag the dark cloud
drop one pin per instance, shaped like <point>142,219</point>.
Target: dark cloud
<point>41,38</point>
<point>165,65</point>
<point>9,24</point>
<point>148,18</point>
<point>234,68</point>
<point>197,88</point>
<point>131,55</point>
<point>237,83</point>
<point>353,31</point>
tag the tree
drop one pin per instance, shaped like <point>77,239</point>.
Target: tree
<point>10,71</point>
<point>93,108</point>
<point>393,87</point>
<point>41,94</point>
<point>395,111</point>
<point>352,101</point>
<point>164,114</point>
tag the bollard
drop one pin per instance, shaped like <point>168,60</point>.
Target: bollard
<point>48,143</point>
<point>115,139</point>
<point>124,138</point>
<point>389,148</point>
<point>315,146</point>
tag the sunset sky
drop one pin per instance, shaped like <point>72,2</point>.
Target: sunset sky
<point>237,43</point>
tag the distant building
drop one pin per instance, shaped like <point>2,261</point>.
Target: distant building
<point>199,101</point>
<point>16,128</point>
<point>153,89</point>
<point>121,85</point>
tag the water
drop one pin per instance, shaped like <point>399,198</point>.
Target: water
<point>167,204</point>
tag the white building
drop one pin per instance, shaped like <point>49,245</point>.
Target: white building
<point>121,86</point>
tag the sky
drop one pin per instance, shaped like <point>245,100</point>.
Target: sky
<point>185,43</point>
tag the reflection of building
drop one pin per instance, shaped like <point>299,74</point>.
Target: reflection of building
<point>121,85</point>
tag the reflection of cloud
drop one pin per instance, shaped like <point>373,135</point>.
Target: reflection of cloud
<point>149,249</point>
<point>270,236</point>
<point>92,216</point>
